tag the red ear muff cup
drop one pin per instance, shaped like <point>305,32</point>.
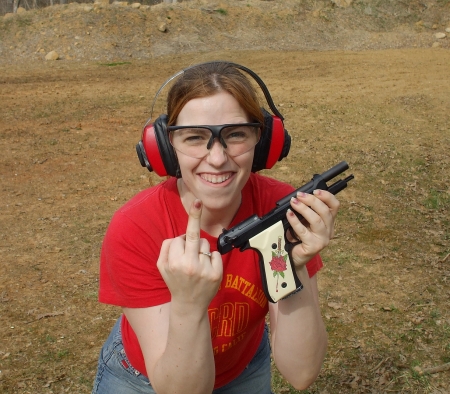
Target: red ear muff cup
<point>155,151</point>
<point>152,151</point>
<point>277,143</point>
<point>273,145</point>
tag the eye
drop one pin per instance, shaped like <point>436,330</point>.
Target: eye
<point>237,134</point>
<point>195,136</point>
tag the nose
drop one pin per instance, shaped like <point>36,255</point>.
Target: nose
<point>217,155</point>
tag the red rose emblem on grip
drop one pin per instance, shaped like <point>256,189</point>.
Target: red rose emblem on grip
<point>278,264</point>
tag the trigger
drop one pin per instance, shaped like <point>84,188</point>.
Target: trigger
<point>294,235</point>
<point>288,244</point>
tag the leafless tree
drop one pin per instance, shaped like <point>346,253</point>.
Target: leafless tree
<point>15,6</point>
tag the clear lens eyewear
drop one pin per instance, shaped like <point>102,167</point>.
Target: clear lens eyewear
<point>196,141</point>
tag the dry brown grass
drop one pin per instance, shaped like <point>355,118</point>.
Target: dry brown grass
<point>67,133</point>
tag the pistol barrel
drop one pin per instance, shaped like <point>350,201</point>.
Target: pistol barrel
<point>335,171</point>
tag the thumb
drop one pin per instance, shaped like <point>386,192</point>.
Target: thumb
<point>163,254</point>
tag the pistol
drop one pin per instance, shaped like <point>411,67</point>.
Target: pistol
<point>267,235</point>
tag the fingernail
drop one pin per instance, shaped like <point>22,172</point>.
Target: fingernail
<point>294,201</point>
<point>317,192</point>
<point>301,194</point>
<point>197,204</point>
<point>290,213</point>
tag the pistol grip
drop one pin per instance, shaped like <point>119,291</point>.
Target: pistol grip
<point>278,273</point>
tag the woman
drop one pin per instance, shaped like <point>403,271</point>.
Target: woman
<point>192,319</point>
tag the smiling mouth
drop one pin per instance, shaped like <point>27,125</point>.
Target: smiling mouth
<point>215,178</point>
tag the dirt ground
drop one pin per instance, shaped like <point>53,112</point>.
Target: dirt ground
<point>358,85</point>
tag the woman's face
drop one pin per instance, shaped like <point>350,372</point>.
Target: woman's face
<point>216,179</point>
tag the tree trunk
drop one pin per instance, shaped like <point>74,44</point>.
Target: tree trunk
<point>15,6</point>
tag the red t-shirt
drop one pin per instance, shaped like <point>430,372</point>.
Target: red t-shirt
<point>129,276</point>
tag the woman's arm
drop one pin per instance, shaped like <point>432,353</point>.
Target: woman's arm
<point>299,338</point>
<point>175,337</point>
<point>176,344</point>
<point>298,335</point>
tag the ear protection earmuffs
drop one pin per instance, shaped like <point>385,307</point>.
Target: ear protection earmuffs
<point>157,154</point>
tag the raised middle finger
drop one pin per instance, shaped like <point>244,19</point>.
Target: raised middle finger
<point>192,246</point>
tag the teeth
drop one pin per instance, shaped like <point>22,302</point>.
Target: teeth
<point>215,178</point>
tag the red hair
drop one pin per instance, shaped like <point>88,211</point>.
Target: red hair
<point>208,79</point>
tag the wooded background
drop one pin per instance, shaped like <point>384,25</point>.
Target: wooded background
<point>11,6</point>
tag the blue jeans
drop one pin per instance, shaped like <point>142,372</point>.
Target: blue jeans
<point>115,374</point>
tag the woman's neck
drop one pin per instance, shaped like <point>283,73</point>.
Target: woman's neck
<point>213,221</point>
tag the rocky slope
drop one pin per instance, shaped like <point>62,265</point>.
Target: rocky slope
<point>122,31</point>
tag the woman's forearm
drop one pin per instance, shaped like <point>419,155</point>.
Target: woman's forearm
<point>299,339</point>
<point>187,363</point>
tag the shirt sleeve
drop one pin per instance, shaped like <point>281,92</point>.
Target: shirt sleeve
<point>314,265</point>
<point>129,276</point>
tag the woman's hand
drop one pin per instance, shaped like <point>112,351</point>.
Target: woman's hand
<point>192,276</point>
<point>319,212</point>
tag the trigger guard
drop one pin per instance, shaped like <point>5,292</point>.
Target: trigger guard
<point>288,246</point>
<point>293,235</point>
